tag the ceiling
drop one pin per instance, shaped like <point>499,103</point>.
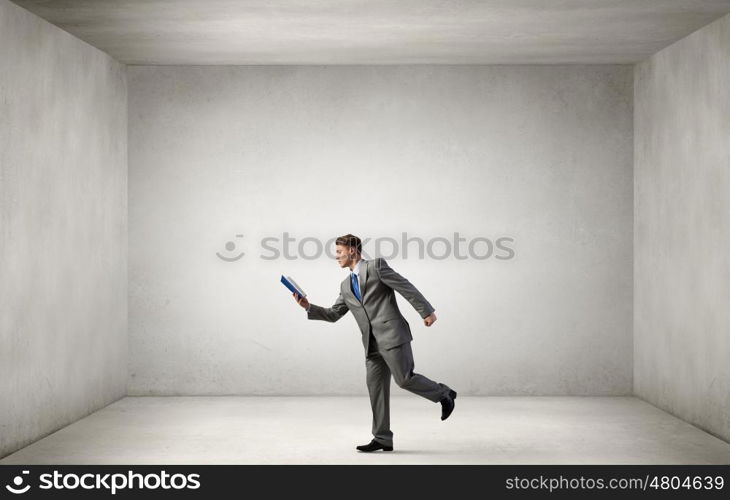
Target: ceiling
<point>379,31</point>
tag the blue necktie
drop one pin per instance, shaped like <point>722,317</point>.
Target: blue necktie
<point>355,286</point>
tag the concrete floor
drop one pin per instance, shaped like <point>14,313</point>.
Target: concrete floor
<point>316,430</point>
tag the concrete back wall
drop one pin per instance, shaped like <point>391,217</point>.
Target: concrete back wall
<point>540,154</point>
<point>682,229</point>
<point>63,230</point>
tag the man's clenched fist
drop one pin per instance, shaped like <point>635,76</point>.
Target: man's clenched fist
<point>430,319</point>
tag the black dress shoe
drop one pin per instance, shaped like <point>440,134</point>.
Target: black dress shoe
<point>374,446</point>
<point>447,405</point>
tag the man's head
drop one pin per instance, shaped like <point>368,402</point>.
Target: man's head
<point>347,250</point>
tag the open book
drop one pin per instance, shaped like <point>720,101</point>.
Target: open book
<point>292,285</point>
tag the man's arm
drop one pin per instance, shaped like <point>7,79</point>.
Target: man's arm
<point>331,314</point>
<point>403,287</point>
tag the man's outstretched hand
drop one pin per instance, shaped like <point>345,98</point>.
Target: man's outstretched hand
<point>301,301</point>
<point>430,319</point>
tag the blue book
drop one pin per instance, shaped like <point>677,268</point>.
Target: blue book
<point>292,285</point>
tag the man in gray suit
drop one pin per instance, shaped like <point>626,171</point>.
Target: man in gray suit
<point>386,335</point>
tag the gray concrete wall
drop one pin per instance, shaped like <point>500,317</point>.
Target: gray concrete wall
<point>682,229</point>
<point>63,229</point>
<point>540,154</point>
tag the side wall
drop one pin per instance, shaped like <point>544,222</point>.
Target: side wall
<point>682,229</point>
<point>63,228</point>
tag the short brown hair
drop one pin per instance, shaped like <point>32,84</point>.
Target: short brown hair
<point>350,240</point>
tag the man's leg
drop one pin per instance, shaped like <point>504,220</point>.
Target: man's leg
<point>378,381</point>
<point>400,362</point>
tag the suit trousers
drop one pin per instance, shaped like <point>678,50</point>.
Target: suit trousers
<point>398,361</point>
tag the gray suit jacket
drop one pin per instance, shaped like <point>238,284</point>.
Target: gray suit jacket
<point>378,309</point>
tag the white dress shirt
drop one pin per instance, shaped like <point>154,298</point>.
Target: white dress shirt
<point>357,272</point>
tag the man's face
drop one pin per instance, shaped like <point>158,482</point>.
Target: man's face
<point>344,255</point>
